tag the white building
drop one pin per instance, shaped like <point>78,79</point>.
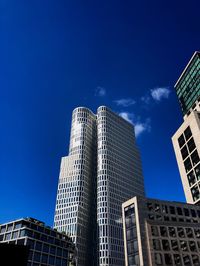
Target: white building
<point>102,171</point>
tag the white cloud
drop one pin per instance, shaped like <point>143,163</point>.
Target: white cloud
<point>139,126</point>
<point>125,102</point>
<point>127,116</point>
<point>160,93</point>
<point>100,91</point>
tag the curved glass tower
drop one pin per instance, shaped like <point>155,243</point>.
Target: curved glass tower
<point>102,171</point>
<point>74,205</point>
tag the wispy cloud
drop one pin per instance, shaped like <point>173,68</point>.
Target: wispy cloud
<point>125,102</point>
<point>142,127</point>
<point>100,91</point>
<point>139,126</point>
<point>127,116</point>
<point>160,93</point>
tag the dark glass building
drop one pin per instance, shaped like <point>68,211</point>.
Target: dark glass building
<point>45,246</point>
<point>188,85</point>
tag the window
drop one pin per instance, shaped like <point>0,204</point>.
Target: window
<point>154,230</point>
<point>51,260</point>
<point>46,248</point>
<point>183,245</point>
<point>181,232</point>
<point>15,234</point>
<point>188,165</point>
<point>172,232</point>
<point>191,178</point>
<point>186,260</point>
<point>187,133</point>
<point>191,145</point>
<point>193,213</point>
<point>52,250</point>
<point>195,157</point>
<point>189,232</point>
<point>177,259</point>
<point>38,246</point>
<point>158,259</point>
<point>192,246</point>
<point>44,258</point>
<point>165,244</point>
<point>3,229</point>
<point>186,212</point>
<point>163,231</point>
<point>172,209</point>
<point>184,152</point>
<point>174,244</point>
<point>195,193</point>
<point>37,256</point>
<point>181,141</point>
<point>130,247</point>
<point>8,236</point>
<point>9,227</point>
<point>30,243</point>
<point>179,211</point>
<point>156,244</point>
<point>168,259</point>
<point>195,259</point>
<point>197,171</point>
<point>17,225</point>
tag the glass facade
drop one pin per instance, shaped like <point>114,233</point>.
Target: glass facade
<point>102,170</point>
<point>161,233</point>
<point>188,86</point>
<point>131,236</point>
<point>45,245</point>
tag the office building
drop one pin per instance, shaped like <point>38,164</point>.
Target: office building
<point>186,140</point>
<point>158,232</point>
<point>188,85</point>
<point>44,245</point>
<point>102,170</point>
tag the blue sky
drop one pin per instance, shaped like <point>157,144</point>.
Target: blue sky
<point>57,55</point>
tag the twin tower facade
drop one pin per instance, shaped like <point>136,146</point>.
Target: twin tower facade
<point>103,169</point>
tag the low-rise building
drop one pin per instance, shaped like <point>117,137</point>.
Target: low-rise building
<point>158,232</point>
<point>45,245</point>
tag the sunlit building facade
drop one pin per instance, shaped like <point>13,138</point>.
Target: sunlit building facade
<point>161,233</point>
<point>186,140</point>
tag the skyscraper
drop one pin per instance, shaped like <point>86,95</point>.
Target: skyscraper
<point>186,140</point>
<point>103,170</point>
<point>188,85</point>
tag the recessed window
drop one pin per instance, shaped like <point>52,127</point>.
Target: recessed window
<point>181,141</point>
<point>184,152</point>
<point>172,232</point>
<point>163,231</point>
<point>172,209</point>
<point>187,133</point>
<point>179,211</point>
<point>174,244</point>
<point>186,260</point>
<point>188,165</point>
<point>158,259</point>
<point>195,193</point>
<point>191,145</point>
<point>197,171</point>
<point>177,259</point>
<point>168,259</point>
<point>195,157</point>
<point>191,178</point>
